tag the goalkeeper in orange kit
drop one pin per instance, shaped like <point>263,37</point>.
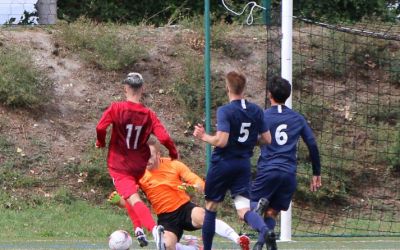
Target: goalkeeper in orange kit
<point>166,183</point>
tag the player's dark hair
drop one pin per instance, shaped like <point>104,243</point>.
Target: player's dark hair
<point>134,80</point>
<point>279,88</point>
<point>236,82</point>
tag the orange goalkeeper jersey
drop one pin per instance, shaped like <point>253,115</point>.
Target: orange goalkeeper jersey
<point>161,185</point>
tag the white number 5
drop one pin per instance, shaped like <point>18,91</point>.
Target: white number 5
<point>280,136</point>
<point>244,131</point>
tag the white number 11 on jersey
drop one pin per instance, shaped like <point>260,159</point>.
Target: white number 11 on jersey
<point>129,127</point>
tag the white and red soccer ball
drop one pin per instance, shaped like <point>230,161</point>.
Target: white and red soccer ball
<point>120,240</point>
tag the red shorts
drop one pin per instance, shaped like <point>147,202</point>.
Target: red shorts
<point>125,184</point>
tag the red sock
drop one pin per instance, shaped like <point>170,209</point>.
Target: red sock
<point>145,216</point>
<point>134,218</point>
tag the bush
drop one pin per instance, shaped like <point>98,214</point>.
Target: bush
<point>94,165</point>
<point>161,12</point>
<point>21,83</point>
<point>103,44</point>
<point>190,92</point>
<point>372,53</point>
<point>353,10</point>
<point>394,73</point>
<point>150,11</point>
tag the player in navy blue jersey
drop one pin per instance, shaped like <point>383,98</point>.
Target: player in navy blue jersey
<point>239,124</point>
<point>275,181</point>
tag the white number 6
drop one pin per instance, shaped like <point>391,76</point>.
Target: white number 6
<point>280,136</point>
<point>245,131</point>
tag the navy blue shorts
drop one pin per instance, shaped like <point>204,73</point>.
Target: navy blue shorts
<point>277,186</point>
<point>232,174</point>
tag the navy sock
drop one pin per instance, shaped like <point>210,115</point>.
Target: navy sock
<point>257,223</point>
<point>208,229</point>
<point>253,205</point>
<point>270,222</point>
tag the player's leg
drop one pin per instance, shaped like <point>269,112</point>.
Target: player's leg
<point>135,207</point>
<point>138,207</point>
<point>139,213</point>
<point>240,193</point>
<point>115,199</point>
<point>170,240</point>
<point>126,186</point>
<point>278,188</point>
<point>218,182</point>
<point>174,224</point>
<point>158,235</point>
<point>270,221</point>
<point>253,219</point>
<point>226,231</point>
<point>260,207</point>
<point>263,187</point>
<point>208,229</point>
<point>270,217</point>
<point>221,228</point>
<point>197,217</point>
<point>266,186</point>
<point>280,200</point>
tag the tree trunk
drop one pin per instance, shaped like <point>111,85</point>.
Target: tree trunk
<point>47,11</point>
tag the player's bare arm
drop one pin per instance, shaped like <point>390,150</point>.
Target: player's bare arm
<point>101,128</point>
<point>315,183</point>
<point>191,181</point>
<point>265,138</point>
<point>220,139</point>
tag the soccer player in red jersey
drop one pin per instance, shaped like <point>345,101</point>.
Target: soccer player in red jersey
<point>128,152</point>
<point>163,187</point>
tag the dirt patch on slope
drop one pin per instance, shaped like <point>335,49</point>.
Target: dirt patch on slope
<point>64,130</point>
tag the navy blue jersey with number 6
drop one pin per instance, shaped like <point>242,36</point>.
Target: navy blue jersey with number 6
<point>244,121</point>
<point>286,126</point>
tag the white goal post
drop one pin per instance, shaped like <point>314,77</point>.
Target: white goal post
<point>286,72</point>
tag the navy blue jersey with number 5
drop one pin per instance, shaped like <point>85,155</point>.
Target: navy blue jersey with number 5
<point>244,121</point>
<point>286,127</point>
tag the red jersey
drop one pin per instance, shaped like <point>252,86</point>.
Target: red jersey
<point>133,123</point>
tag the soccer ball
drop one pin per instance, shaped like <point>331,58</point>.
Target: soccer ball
<point>120,240</point>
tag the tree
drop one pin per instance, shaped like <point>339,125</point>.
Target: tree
<point>160,12</point>
<point>346,10</point>
<point>47,11</point>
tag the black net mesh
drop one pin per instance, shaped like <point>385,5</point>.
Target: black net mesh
<point>346,82</point>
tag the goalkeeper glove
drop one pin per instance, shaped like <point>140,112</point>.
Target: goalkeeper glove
<point>190,189</point>
<point>114,198</point>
